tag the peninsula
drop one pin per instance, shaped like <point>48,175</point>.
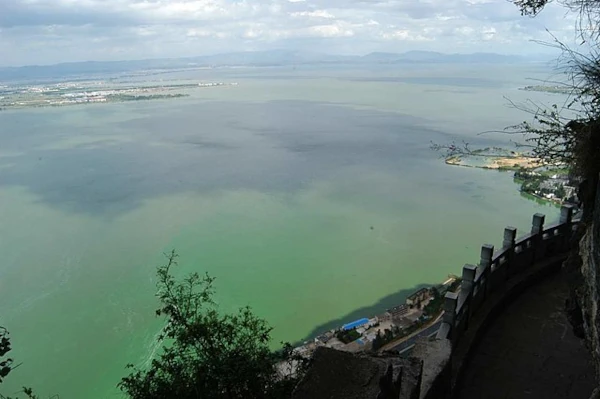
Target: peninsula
<point>91,92</point>
<point>549,183</point>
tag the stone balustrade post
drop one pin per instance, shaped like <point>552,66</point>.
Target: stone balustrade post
<point>508,245</point>
<point>487,251</point>
<point>566,230</point>
<point>468,278</point>
<point>450,304</point>
<point>467,287</point>
<point>485,264</point>
<point>537,225</point>
<point>566,213</point>
<point>510,236</point>
<point>537,229</point>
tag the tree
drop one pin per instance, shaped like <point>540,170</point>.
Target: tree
<point>378,341</point>
<point>7,364</point>
<point>209,355</point>
<point>568,135</point>
<point>573,140</point>
<point>388,335</point>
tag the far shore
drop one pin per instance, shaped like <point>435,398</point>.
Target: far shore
<point>516,162</point>
<point>500,162</point>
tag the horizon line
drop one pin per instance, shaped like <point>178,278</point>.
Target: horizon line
<point>272,51</point>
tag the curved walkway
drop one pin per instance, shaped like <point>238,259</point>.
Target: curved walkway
<point>530,351</point>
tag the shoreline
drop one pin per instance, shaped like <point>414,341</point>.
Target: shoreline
<point>517,163</point>
<point>498,162</point>
<point>421,310</point>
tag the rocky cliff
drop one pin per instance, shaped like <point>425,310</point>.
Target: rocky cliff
<point>583,273</point>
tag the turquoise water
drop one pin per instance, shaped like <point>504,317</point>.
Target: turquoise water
<point>271,186</point>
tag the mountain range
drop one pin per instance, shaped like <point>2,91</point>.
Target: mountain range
<point>253,58</point>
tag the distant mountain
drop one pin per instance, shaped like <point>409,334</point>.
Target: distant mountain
<point>409,56</point>
<point>253,58</point>
<point>435,57</point>
<point>268,58</point>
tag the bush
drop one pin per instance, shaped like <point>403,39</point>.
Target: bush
<point>207,354</point>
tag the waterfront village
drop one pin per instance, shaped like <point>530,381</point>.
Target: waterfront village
<point>78,93</point>
<point>553,185</point>
<point>421,311</point>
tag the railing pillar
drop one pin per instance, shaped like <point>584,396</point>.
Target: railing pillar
<point>537,228</point>
<point>450,303</point>
<point>566,230</point>
<point>508,245</point>
<point>510,236</point>
<point>467,287</point>
<point>487,250</point>
<point>485,264</point>
<point>468,278</point>
<point>566,213</point>
<point>537,225</point>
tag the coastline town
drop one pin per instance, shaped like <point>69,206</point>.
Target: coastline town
<point>421,312</point>
<point>552,185</point>
<point>549,183</point>
<point>76,93</point>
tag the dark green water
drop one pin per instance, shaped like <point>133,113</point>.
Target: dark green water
<point>272,186</point>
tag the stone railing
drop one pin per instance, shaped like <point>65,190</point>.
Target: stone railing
<point>485,288</point>
<point>436,364</point>
<point>497,267</point>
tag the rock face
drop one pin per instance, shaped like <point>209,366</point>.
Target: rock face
<point>335,374</point>
<point>583,274</point>
<point>589,292</point>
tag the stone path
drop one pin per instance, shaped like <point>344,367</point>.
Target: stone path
<point>530,352</point>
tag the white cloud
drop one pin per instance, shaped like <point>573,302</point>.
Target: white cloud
<point>49,31</point>
<point>406,35</point>
<point>332,30</point>
<point>313,14</point>
<point>488,33</point>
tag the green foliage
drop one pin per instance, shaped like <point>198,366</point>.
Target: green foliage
<point>28,392</point>
<point>378,341</point>
<point>388,336</point>
<point>347,336</point>
<point>207,354</point>
<point>436,303</point>
<point>6,363</point>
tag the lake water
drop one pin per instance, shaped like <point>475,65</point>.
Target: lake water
<point>311,195</point>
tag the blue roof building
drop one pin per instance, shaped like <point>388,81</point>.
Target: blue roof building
<point>355,324</point>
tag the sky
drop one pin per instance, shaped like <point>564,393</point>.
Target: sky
<point>53,31</point>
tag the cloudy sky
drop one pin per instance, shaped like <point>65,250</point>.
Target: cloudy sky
<point>51,31</point>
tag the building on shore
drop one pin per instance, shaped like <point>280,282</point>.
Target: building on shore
<point>415,300</point>
<point>324,338</point>
<point>399,311</point>
<point>387,316</point>
<point>355,324</point>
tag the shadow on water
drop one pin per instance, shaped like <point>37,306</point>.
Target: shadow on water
<point>539,201</point>
<point>379,307</point>
<point>185,148</point>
